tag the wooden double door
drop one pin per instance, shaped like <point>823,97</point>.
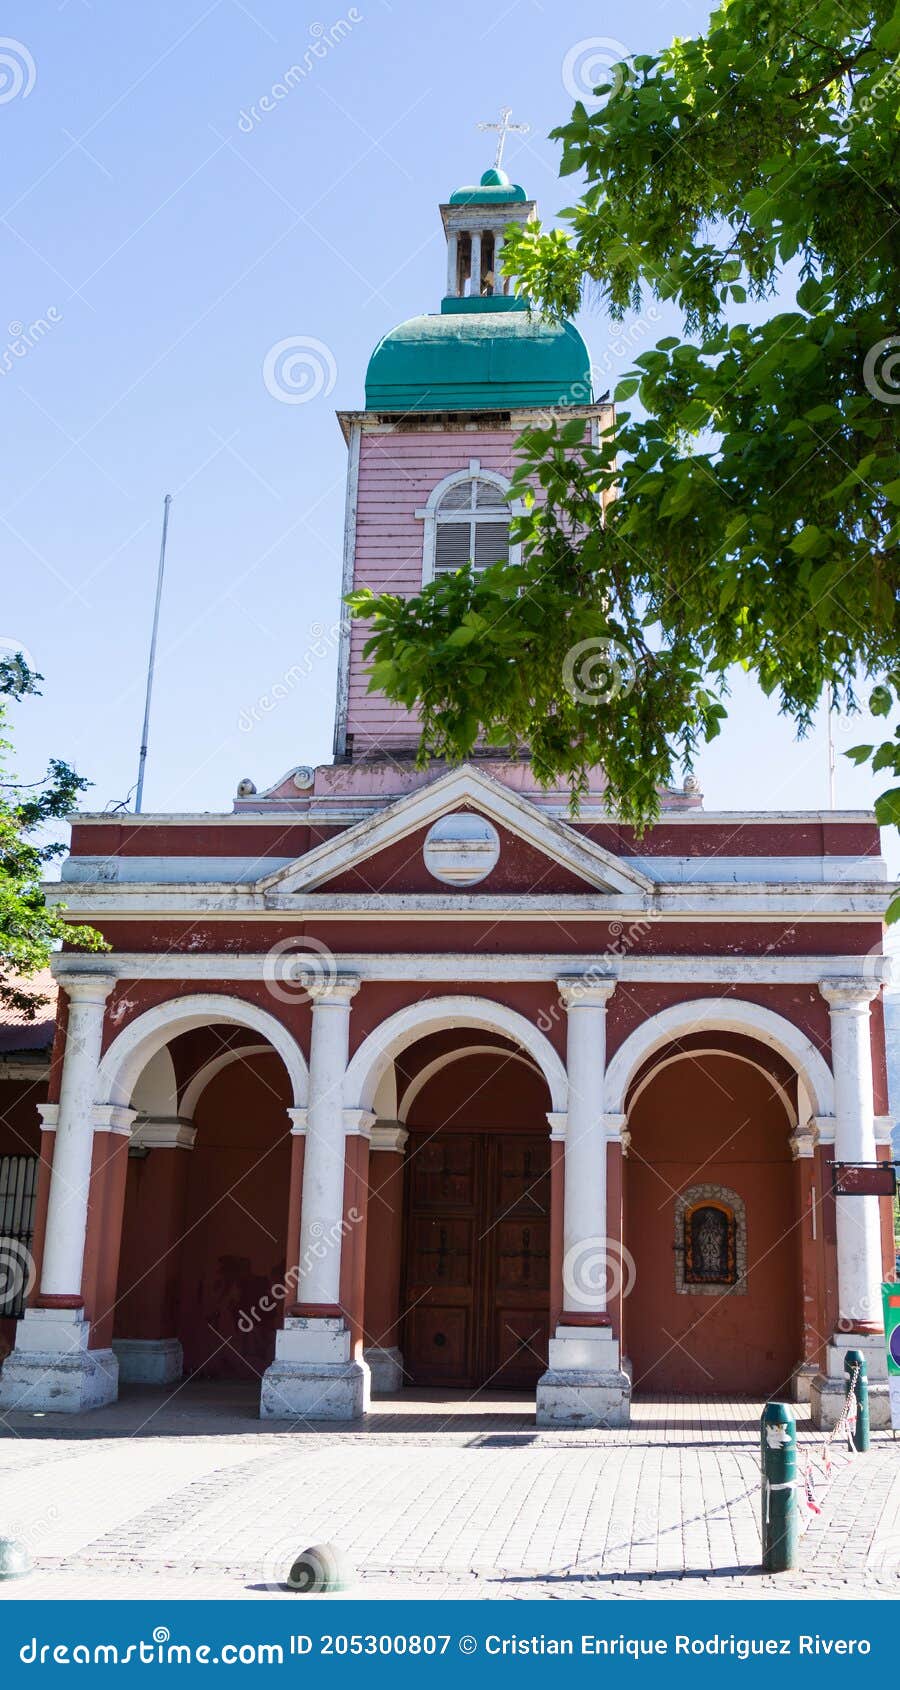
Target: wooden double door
<point>477,1256</point>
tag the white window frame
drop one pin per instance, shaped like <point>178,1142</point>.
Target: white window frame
<point>429,515</point>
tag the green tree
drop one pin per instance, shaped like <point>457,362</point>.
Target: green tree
<point>751,504</point>
<point>28,929</point>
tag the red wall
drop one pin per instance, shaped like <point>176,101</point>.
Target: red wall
<point>712,1121</point>
<point>235,1227</point>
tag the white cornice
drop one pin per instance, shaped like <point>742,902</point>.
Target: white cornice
<point>489,968</point>
<point>801,901</point>
<point>305,807</point>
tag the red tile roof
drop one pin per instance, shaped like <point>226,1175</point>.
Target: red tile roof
<point>16,1031</point>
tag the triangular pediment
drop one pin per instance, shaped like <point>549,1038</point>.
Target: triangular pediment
<point>466,788</point>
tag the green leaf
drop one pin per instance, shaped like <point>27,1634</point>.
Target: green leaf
<point>881,701</point>
<point>887,807</point>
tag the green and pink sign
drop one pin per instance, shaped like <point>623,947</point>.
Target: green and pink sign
<point>891,1297</point>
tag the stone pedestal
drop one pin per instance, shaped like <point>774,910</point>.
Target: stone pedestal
<point>314,1376</point>
<point>801,1380</point>
<point>52,1371</point>
<point>828,1390</point>
<point>585,1383</point>
<point>386,1368</point>
<point>149,1361</point>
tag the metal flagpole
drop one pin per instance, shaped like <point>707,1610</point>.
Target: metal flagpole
<point>145,732</point>
<point>829,730</point>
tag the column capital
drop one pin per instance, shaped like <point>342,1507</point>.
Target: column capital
<point>113,1118</point>
<point>358,1123</point>
<point>803,1141</point>
<point>854,995</point>
<point>586,991</point>
<point>616,1128</point>
<point>163,1132</point>
<point>333,991</point>
<point>388,1135</point>
<point>86,988</point>
<point>884,1129</point>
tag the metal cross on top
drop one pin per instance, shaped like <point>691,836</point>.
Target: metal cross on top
<point>504,128</point>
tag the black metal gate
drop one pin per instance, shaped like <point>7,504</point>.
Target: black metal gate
<point>18,1191</point>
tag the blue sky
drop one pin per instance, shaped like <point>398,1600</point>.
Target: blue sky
<point>167,239</point>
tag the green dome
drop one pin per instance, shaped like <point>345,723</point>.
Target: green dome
<point>478,359</point>
<point>495,188</point>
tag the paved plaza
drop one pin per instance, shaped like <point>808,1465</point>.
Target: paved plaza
<point>191,1496</point>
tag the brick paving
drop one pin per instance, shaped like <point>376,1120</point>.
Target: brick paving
<point>192,1496</point>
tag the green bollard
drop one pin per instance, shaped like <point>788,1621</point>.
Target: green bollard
<point>856,1359</point>
<point>778,1444</point>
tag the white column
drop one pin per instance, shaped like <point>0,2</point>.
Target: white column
<point>73,1147</point>
<point>452,259</point>
<point>584,1217</point>
<point>316,1374</point>
<point>322,1206</point>
<point>585,1385</point>
<point>498,254</point>
<point>475,267</point>
<point>858,1222</point>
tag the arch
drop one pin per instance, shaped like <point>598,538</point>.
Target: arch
<point>717,1050</point>
<point>733,1015</point>
<point>197,1086</point>
<point>156,1088</point>
<point>146,1034</point>
<point>420,1080</point>
<point>434,1015</point>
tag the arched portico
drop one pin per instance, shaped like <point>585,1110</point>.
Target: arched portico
<point>717,1095</point>
<point>731,1015</point>
<point>132,1049</point>
<point>417,1020</point>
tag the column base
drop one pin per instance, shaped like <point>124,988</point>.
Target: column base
<point>52,1371</point>
<point>801,1380</point>
<point>828,1390</point>
<point>48,1382</point>
<point>149,1361</point>
<point>585,1384</point>
<point>386,1368</point>
<point>313,1376</point>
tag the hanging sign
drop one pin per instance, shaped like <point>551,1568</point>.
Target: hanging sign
<point>864,1179</point>
<point>891,1297</point>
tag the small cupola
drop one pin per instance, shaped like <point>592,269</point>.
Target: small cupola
<point>474,220</point>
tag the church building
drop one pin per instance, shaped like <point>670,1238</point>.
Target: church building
<point>403,1077</point>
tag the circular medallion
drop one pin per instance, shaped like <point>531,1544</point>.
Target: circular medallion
<point>461,849</point>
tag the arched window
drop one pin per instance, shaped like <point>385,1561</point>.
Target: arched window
<point>710,1241</point>
<point>467,521</point>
